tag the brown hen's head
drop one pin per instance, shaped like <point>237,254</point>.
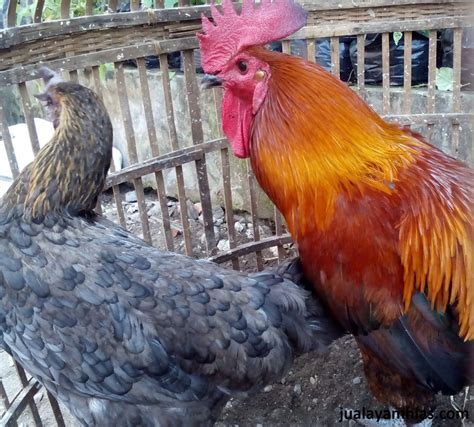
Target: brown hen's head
<point>227,52</point>
<point>50,103</point>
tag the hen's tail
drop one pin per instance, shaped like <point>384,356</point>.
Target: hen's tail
<point>309,326</point>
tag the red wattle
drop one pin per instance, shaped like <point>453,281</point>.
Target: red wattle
<point>236,122</point>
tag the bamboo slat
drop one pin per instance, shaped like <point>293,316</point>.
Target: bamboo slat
<point>407,72</point>
<point>198,138</point>
<point>28,402</point>
<point>361,64</point>
<point>38,11</point>
<point>153,140</point>
<point>311,51</point>
<point>335,63</point>
<point>457,41</point>
<point>58,416</point>
<point>226,179</point>
<point>25,396</point>
<point>386,72</point>
<point>252,247</point>
<point>254,213</point>
<point>132,149</point>
<point>430,108</point>
<point>173,135</point>
<point>65,9</point>
<point>8,142</point>
<point>29,119</point>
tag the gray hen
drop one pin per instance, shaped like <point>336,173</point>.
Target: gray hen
<point>122,333</point>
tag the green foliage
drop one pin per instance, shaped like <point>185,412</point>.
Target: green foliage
<point>104,70</point>
<point>444,78</point>
<point>25,14</point>
<point>52,10</point>
<point>173,3</point>
<point>397,35</point>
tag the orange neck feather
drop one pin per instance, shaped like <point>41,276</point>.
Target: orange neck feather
<point>319,138</point>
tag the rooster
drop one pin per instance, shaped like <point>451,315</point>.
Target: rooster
<point>120,332</point>
<point>382,219</point>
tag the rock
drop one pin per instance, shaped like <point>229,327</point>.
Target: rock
<point>135,218</point>
<point>274,251</point>
<point>131,208</point>
<point>278,413</point>
<point>223,245</point>
<point>356,380</point>
<point>268,388</point>
<point>312,380</point>
<point>249,233</point>
<point>154,210</point>
<point>117,159</point>
<point>173,210</point>
<point>130,196</point>
<point>192,211</point>
<point>264,231</point>
<point>297,389</point>
<point>198,207</point>
<point>239,227</point>
<point>218,213</point>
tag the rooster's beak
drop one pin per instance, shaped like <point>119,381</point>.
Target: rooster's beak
<point>209,81</point>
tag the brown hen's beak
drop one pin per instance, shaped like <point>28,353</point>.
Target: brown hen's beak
<point>209,81</point>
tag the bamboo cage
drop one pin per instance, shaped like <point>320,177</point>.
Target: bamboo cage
<point>79,46</point>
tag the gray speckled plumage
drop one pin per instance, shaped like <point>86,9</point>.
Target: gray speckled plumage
<point>126,334</point>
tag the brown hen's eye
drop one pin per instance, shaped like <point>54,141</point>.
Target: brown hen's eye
<point>242,65</point>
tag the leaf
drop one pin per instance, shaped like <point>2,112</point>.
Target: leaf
<point>444,78</point>
<point>397,36</point>
<point>425,33</point>
<point>104,69</point>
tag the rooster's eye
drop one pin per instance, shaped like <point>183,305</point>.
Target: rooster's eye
<point>242,65</point>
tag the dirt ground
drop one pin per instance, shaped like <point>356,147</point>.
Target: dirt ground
<point>315,391</point>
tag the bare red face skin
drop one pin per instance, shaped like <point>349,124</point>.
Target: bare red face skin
<point>236,121</point>
<point>245,87</point>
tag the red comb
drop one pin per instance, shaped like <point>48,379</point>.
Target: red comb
<point>229,32</point>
